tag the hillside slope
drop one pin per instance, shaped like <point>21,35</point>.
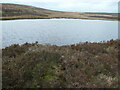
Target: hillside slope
<point>15,11</point>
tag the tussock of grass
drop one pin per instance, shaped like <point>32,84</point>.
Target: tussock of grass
<point>89,65</point>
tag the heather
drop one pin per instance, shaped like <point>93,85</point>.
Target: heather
<point>84,65</point>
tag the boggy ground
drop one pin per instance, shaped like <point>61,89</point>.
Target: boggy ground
<point>86,65</point>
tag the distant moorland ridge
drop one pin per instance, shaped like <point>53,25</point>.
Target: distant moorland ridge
<point>16,11</point>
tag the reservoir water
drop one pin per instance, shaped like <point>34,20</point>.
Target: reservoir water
<point>57,31</point>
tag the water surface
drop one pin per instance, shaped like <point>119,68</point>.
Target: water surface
<point>57,31</point>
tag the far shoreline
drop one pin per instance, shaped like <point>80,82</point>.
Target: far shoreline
<point>8,19</point>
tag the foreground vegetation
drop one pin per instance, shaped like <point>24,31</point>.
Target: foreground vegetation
<point>16,11</point>
<point>89,65</point>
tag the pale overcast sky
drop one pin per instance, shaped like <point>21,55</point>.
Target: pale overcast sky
<point>72,5</point>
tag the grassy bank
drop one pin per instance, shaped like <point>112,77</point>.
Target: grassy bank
<point>48,66</point>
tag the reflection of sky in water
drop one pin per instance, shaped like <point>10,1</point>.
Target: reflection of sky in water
<point>58,31</point>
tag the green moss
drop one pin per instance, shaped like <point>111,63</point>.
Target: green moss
<point>47,76</point>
